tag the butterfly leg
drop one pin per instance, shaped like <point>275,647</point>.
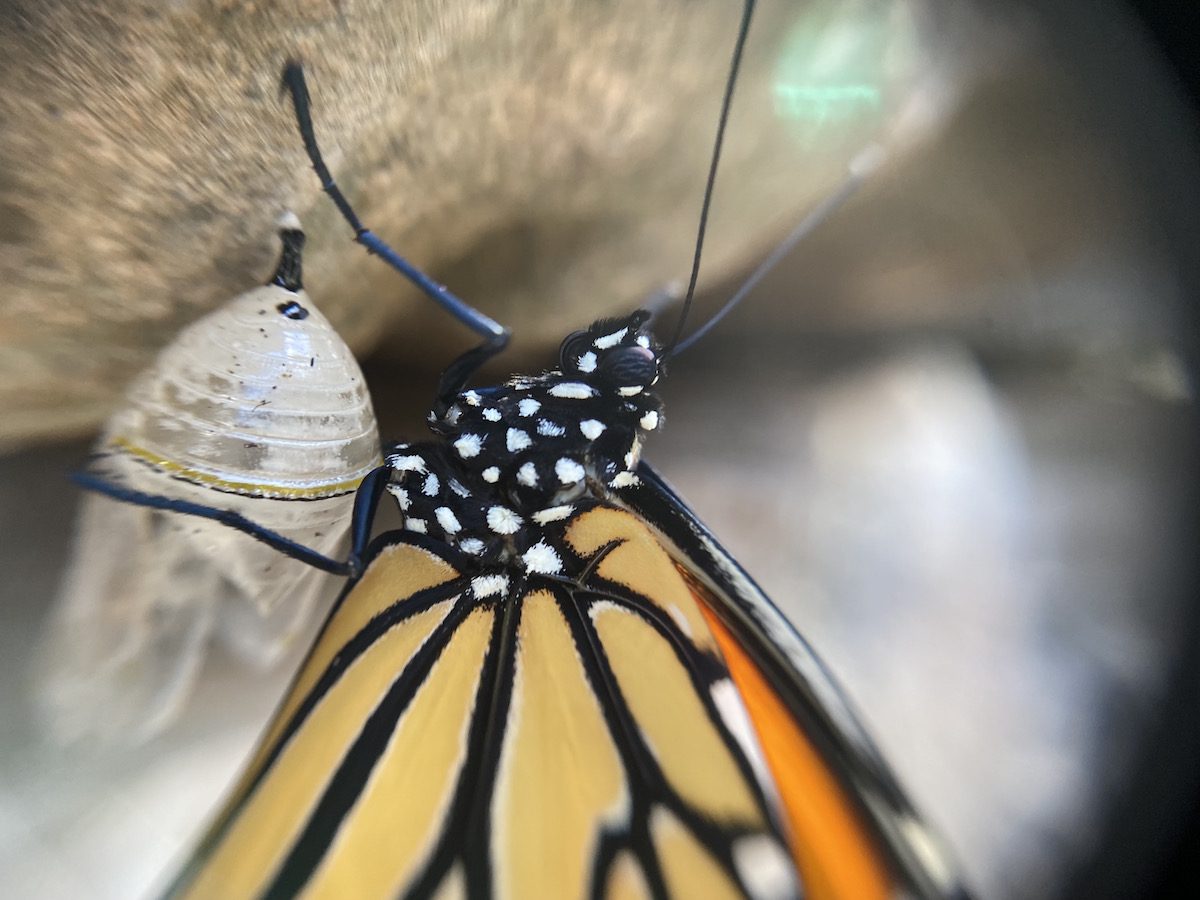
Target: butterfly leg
<point>495,336</point>
<point>366,501</point>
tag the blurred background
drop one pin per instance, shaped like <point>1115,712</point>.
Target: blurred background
<point>965,456</point>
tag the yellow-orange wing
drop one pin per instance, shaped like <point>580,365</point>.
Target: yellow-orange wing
<point>466,732</point>
<point>852,831</point>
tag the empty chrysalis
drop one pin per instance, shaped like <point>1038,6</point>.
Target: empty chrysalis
<point>260,408</point>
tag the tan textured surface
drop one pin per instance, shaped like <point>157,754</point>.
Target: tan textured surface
<point>535,155</point>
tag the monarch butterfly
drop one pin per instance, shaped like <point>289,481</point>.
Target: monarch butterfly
<point>552,680</point>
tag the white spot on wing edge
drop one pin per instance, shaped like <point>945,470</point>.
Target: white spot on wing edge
<point>491,474</point>
<point>473,546</point>
<point>492,414</point>
<point>729,704</point>
<point>472,398</point>
<point>631,391</point>
<point>624,479</point>
<point>420,526</point>
<point>432,485</point>
<point>649,421</point>
<point>527,475</point>
<point>764,867</point>
<point>528,406</point>
<point>587,362</point>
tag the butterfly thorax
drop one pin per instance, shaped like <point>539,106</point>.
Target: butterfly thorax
<point>514,458</point>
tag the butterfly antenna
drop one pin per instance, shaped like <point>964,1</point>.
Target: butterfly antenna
<point>730,82</point>
<point>860,169</point>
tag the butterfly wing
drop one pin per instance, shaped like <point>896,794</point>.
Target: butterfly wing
<point>854,832</point>
<point>566,738</point>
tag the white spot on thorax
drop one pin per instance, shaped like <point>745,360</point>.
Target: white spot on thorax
<point>592,428</point>
<point>624,479</point>
<point>517,440</point>
<point>492,414</point>
<point>553,514</point>
<point>587,362</point>
<point>546,428</point>
<point>468,445</point>
<point>610,340</point>
<point>572,390</point>
<point>407,463</point>
<point>473,546</point>
<point>401,496</point>
<point>489,585</point>
<point>528,475</point>
<point>569,471</point>
<point>432,485</point>
<point>643,341</point>
<point>528,406</point>
<point>420,526</point>
<point>649,421</point>
<point>542,559</point>
<point>447,520</point>
<point>472,398</point>
<point>491,474</point>
<point>503,520</point>
<point>631,391</point>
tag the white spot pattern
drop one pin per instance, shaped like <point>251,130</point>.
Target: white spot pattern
<point>473,546</point>
<point>542,559</point>
<point>528,406</point>
<point>610,340</point>
<point>472,398</point>
<point>649,421</point>
<point>432,485</point>
<point>568,471</point>
<point>491,474</point>
<point>517,440</point>
<point>447,520</point>
<point>468,445</point>
<point>631,391</point>
<point>528,475</point>
<point>592,428</point>
<point>587,362</point>
<point>624,479</point>
<point>553,514</point>
<point>420,526</point>
<point>489,585</point>
<point>408,463</point>
<point>401,496</point>
<point>572,390</point>
<point>503,520</point>
<point>546,428</point>
<point>492,414</point>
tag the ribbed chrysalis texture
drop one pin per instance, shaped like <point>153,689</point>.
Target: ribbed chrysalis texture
<point>259,407</point>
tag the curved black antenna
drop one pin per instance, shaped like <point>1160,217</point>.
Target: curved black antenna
<point>726,102</point>
<point>860,169</point>
<point>495,336</point>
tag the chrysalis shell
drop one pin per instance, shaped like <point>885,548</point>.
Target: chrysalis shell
<point>258,407</point>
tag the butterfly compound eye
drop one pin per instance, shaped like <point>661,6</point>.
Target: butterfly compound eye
<point>628,366</point>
